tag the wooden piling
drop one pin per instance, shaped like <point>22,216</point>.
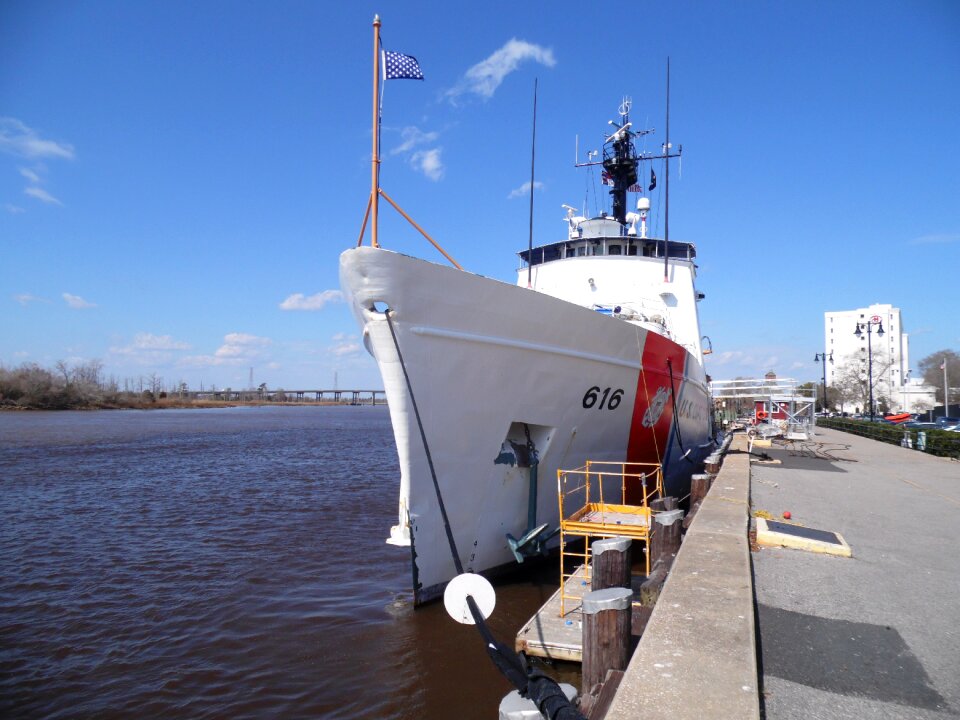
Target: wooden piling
<point>665,503</point>
<point>699,486</point>
<point>611,563</point>
<point>606,634</point>
<point>712,463</point>
<point>665,541</point>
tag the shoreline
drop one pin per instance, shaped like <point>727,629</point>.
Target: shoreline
<point>164,404</point>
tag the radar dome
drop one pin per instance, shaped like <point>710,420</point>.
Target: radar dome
<point>643,204</point>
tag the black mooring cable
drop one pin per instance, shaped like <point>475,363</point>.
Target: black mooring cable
<point>532,683</point>
<point>676,424</point>
<point>426,447</point>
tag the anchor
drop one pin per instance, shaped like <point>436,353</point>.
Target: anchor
<point>534,540</point>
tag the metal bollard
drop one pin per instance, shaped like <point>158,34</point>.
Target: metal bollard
<point>514,707</point>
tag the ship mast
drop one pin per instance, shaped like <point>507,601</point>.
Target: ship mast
<point>620,162</point>
<point>666,188</point>
<point>374,206</point>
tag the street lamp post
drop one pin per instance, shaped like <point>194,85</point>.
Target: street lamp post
<point>822,358</point>
<point>859,332</point>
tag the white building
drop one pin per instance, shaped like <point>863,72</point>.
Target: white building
<point>890,351</point>
<point>917,397</point>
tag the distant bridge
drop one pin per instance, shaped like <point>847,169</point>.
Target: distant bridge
<point>337,397</point>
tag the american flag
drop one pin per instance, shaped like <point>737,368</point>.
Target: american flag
<point>397,66</point>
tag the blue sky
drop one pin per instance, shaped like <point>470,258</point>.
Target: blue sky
<point>178,179</point>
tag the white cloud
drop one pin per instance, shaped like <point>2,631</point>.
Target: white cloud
<point>13,209</point>
<point>731,356</point>
<point>428,162</point>
<point>27,298</point>
<point>148,342</point>
<point>77,302</point>
<point>150,349</point>
<point>344,345</point>
<point>422,159</point>
<point>241,345</point>
<point>413,137</point>
<point>30,175</point>
<point>237,349</point>
<point>299,301</point>
<point>18,139</point>
<point>485,77</point>
<point>40,194</point>
<point>524,190</point>
<point>936,239</point>
<point>345,348</point>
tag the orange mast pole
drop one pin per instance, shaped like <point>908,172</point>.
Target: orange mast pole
<point>375,169</point>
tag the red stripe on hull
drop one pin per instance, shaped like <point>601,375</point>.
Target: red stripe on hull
<point>653,408</point>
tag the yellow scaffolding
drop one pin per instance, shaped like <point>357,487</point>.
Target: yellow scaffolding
<point>585,512</point>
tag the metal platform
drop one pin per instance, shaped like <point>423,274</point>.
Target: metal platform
<point>547,634</point>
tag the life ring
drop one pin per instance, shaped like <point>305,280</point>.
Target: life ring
<point>761,414</point>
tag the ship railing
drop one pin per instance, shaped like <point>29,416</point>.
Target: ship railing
<point>601,499</point>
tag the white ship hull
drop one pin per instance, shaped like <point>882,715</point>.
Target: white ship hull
<point>485,358</point>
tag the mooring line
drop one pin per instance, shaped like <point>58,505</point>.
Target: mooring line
<point>426,448</point>
<point>676,423</point>
<point>531,683</point>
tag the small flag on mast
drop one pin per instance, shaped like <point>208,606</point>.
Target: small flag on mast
<point>653,180</point>
<point>943,364</point>
<point>397,66</point>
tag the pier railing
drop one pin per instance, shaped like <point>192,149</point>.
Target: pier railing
<point>944,443</point>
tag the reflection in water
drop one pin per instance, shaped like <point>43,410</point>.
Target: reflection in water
<point>229,562</point>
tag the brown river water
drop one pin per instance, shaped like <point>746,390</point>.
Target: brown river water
<point>224,563</point>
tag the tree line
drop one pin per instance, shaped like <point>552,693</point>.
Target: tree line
<point>851,382</point>
<point>82,385</point>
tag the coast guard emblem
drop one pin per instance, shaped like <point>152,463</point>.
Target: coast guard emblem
<point>653,413</point>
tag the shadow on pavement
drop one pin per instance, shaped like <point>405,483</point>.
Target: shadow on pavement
<point>844,657</point>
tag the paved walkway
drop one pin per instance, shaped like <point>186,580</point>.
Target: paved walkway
<point>876,635</point>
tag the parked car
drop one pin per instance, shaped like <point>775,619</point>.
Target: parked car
<point>921,426</point>
<point>947,421</point>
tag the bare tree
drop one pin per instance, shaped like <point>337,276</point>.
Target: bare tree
<point>930,369</point>
<point>852,381</point>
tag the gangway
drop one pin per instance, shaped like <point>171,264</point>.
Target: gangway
<point>778,401</point>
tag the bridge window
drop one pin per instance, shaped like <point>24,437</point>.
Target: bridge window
<point>613,250</point>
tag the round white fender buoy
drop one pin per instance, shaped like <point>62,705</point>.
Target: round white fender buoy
<point>455,597</point>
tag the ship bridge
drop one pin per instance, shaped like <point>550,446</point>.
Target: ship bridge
<point>605,236</point>
<point>609,267</point>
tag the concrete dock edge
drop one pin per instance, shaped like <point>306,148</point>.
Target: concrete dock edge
<point>697,658</point>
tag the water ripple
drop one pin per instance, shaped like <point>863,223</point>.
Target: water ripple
<point>217,563</point>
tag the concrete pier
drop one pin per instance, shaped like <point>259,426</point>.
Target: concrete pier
<point>876,635</point>
<point>697,656</point>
